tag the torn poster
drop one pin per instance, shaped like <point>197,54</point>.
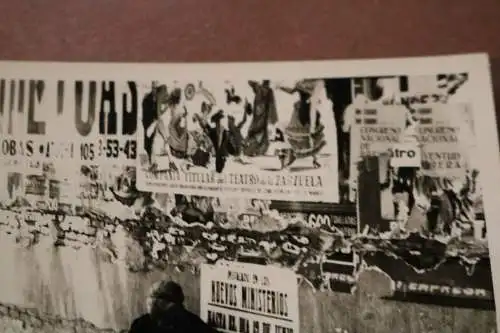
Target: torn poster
<point>396,233</point>
<point>268,139</point>
<point>242,297</point>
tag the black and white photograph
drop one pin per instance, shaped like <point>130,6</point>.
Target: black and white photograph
<point>397,240</point>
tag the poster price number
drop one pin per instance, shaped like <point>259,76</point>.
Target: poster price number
<point>109,149</point>
<point>113,148</point>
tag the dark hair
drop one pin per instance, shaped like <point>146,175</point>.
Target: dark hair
<point>304,108</point>
<point>161,89</point>
<point>175,96</point>
<point>169,291</point>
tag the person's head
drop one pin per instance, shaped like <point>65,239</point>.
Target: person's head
<point>163,295</point>
<point>304,96</point>
<point>266,83</point>
<point>161,93</point>
<point>203,145</point>
<point>206,108</point>
<point>217,119</point>
<point>230,120</point>
<point>175,97</point>
<point>305,87</point>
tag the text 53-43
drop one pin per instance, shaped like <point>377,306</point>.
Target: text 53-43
<point>109,148</point>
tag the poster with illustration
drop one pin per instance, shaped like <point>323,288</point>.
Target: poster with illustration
<point>248,198</point>
<point>262,138</point>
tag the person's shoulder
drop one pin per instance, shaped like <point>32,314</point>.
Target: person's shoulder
<point>141,323</point>
<point>199,324</point>
<point>145,318</point>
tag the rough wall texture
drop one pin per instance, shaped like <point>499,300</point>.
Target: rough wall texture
<point>373,315</point>
<point>14,319</point>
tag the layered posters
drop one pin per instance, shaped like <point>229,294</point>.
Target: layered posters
<point>332,196</point>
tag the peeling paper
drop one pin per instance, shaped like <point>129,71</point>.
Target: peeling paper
<point>90,249</point>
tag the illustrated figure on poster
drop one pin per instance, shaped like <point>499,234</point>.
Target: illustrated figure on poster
<point>236,138</point>
<point>264,114</point>
<point>168,134</point>
<point>152,108</point>
<point>177,142</point>
<point>456,204</point>
<point>305,131</point>
<point>243,129</point>
<point>205,149</point>
<point>219,137</point>
<point>231,96</point>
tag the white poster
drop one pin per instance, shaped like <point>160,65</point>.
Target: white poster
<point>239,297</point>
<point>267,139</point>
<point>374,129</point>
